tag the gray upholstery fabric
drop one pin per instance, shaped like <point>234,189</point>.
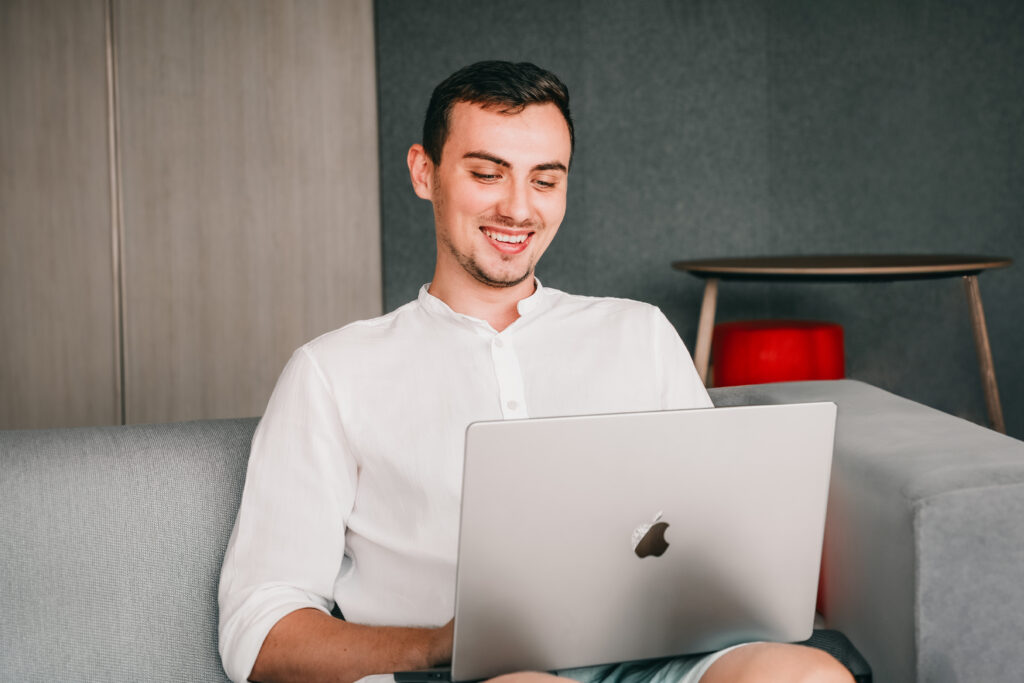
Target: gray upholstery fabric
<point>110,549</point>
<point>970,546</point>
<point>924,549</point>
<point>111,541</point>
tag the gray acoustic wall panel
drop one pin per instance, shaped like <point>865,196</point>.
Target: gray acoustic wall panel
<point>744,127</point>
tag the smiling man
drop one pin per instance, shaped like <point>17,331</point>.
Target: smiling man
<point>353,488</point>
<point>498,186</point>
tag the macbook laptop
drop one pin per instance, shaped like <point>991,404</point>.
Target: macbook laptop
<point>610,538</point>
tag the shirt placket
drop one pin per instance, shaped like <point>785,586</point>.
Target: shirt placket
<point>510,378</point>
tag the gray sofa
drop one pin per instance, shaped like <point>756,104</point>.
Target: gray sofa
<point>111,540</point>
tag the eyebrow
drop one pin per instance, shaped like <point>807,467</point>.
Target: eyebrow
<point>549,166</point>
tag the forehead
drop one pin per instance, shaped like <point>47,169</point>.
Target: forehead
<point>536,135</point>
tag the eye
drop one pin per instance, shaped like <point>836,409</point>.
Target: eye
<point>545,184</point>
<point>485,177</point>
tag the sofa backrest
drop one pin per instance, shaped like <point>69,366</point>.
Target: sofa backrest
<point>111,541</point>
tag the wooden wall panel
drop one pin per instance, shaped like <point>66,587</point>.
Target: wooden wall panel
<point>57,328</point>
<point>251,210</point>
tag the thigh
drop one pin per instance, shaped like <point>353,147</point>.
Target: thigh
<point>686,669</point>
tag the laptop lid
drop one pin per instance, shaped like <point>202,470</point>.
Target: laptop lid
<point>610,538</point>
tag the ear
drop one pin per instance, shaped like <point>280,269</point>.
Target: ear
<point>421,172</point>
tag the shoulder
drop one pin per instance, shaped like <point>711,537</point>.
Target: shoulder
<point>604,308</point>
<point>361,336</point>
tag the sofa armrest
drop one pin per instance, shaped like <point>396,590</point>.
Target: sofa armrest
<point>924,543</point>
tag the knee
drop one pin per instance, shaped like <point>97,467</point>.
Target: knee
<point>818,666</point>
<point>527,677</point>
<point>777,663</point>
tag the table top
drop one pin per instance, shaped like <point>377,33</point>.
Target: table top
<point>843,267</point>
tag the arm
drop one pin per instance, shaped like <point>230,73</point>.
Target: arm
<point>288,547</point>
<point>308,645</point>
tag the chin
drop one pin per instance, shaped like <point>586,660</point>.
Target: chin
<point>500,283</point>
<point>500,280</point>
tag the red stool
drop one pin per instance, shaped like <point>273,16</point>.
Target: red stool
<point>761,351</point>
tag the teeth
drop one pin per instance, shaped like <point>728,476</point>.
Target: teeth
<point>511,239</point>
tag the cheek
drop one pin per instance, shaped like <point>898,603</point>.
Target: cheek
<point>553,211</point>
<point>474,201</point>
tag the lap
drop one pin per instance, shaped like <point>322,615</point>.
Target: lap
<point>747,662</point>
<point>686,669</point>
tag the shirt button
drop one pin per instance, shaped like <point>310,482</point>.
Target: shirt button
<point>512,405</point>
<point>498,343</point>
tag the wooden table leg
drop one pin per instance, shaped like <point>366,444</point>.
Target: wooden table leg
<point>988,370</point>
<point>705,326</point>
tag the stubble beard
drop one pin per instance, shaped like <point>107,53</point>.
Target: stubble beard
<point>466,261</point>
<point>470,265</point>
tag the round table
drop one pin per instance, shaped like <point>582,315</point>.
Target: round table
<point>852,268</point>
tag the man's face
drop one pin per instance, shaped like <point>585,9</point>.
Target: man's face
<point>499,192</point>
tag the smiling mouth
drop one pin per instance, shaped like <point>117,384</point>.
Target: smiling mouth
<point>507,238</point>
<point>507,242</point>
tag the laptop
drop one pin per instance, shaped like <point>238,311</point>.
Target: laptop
<point>610,538</point>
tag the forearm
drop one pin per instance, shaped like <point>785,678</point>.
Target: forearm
<point>308,645</point>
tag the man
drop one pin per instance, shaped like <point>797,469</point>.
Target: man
<point>352,493</point>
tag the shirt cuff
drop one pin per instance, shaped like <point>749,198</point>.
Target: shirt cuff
<point>243,635</point>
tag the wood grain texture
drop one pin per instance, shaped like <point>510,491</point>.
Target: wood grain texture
<point>988,370</point>
<point>251,210</point>
<point>57,329</point>
<point>825,266</point>
<point>706,329</point>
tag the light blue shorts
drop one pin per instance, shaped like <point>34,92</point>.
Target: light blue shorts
<point>687,669</point>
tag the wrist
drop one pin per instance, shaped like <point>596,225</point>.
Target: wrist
<point>439,645</point>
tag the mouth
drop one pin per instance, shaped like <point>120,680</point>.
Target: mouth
<point>507,241</point>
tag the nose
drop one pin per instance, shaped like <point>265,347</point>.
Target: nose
<point>515,203</point>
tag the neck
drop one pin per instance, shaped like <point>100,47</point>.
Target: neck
<point>496,305</point>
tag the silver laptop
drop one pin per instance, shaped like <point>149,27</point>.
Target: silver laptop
<point>611,538</point>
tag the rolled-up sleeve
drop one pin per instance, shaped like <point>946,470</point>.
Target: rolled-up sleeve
<point>288,542</point>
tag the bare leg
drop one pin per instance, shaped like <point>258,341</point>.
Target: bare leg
<point>528,677</point>
<point>776,663</point>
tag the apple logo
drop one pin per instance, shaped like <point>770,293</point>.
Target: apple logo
<point>649,539</point>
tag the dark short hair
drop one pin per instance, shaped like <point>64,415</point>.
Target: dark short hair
<point>505,86</point>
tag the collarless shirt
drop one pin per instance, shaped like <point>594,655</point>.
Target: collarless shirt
<point>353,488</point>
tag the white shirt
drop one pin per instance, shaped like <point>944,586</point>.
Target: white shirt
<point>353,487</point>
